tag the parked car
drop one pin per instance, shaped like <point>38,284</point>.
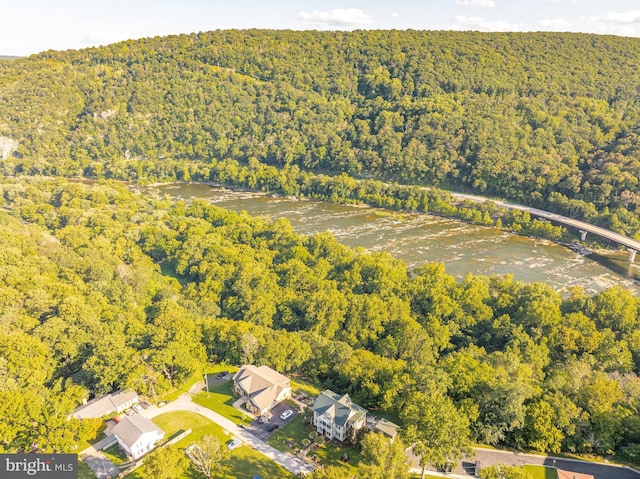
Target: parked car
<point>265,418</point>
<point>272,427</point>
<point>137,408</point>
<point>233,444</point>
<point>129,411</point>
<point>222,374</point>
<point>145,404</point>
<point>286,415</point>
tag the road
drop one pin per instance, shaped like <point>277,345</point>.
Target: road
<point>488,457</point>
<point>184,403</point>
<point>565,220</point>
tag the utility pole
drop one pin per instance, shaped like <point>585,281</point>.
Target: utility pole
<point>206,381</point>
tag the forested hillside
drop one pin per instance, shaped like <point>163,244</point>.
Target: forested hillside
<point>546,119</point>
<point>101,288</point>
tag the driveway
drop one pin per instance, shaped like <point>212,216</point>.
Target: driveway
<point>102,467</point>
<point>183,403</point>
<point>260,430</point>
<point>489,457</point>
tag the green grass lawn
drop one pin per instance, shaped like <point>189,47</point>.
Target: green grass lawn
<point>245,462</point>
<point>329,455</point>
<point>292,433</point>
<point>84,471</point>
<point>115,455</point>
<point>220,399</point>
<point>540,472</point>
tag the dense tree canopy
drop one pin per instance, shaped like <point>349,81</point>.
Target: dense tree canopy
<point>549,119</point>
<point>170,285</point>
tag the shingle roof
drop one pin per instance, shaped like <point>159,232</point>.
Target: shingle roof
<point>103,405</point>
<point>340,408</point>
<point>573,475</point>
<point>262,384</point>
<point>386,427</point>
<point>131,428</point>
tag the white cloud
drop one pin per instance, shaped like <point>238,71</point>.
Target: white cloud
<point>477,23</point>
<point>618,17</point>
<point>476,3</point>
<point>554,23</point>
<point>395,15</point>
<point>339,17</point>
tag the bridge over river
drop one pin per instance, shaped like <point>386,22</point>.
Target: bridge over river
<point>632,246</point>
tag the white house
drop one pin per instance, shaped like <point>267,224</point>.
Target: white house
<point>262,387</point>
<point>111,403</point>
<point>137,435</point>
<point>337,416</point>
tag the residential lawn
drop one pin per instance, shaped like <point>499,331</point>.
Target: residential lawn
<point>245,462</point>
<point>220,399</point>
<point>540,472</point>
<point>330,453</point>
<point>84,471</point>
<point>115,455</point>
<point>176,392</point>
<point>293,432</point>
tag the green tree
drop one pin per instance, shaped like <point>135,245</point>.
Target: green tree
<point>384,458</point>
<point>438,431</point>
<point>503,471</point>
<point>208,455</point>
<point>165,463</point>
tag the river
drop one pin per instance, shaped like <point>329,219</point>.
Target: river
<point>417,238</point>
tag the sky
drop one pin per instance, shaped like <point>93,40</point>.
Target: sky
<point>32,26</point>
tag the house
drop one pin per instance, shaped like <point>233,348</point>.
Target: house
<point>262,387</point>
<point>137,435</point>
<point>107,404</point>
<point>337,416</point>
<point>572,475</point>
<point>386,428</point>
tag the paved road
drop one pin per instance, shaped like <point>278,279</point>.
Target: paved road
<point>565,220</point>
<point>488,457</point>
<point>598,470</point>
<point>184,403</point>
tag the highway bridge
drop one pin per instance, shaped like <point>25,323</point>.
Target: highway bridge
<point>632,246</point>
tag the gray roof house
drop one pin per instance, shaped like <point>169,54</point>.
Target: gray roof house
<point>337,416</point>
<point>111,403</point>
<point>262,387</point>
<point>137,435</point>
<point>386,428</point>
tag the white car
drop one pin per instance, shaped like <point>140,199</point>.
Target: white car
<point>286,415</point>
<point>233,444</point>
<point>137,408</point>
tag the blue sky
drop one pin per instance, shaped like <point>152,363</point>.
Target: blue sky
<point>31,26</point>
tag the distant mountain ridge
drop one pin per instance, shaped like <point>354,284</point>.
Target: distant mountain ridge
<point>548,119</point>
